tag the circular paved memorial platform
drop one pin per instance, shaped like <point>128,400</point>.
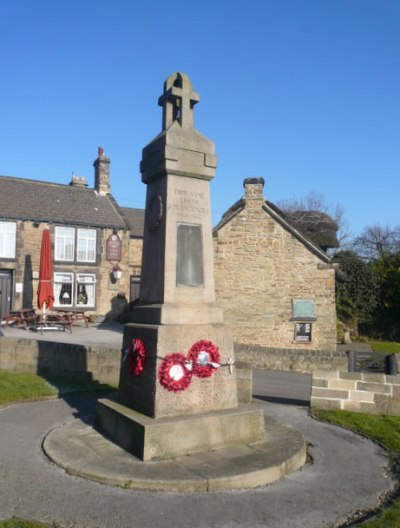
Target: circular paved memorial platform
<point>81,450</point>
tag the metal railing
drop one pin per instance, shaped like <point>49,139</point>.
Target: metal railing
<point>378,362</point>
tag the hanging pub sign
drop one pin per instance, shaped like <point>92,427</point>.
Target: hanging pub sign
<point>113,248</point>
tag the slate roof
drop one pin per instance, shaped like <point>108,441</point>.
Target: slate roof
<point>23,199</point>
<point>298,224</point>
<point>135,220</point>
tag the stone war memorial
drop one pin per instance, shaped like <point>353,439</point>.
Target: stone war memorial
<point>177,404</point>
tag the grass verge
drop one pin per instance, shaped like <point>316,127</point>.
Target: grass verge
<point>385,346</point>
<point>385,430</point>
<point>22,387</point>
<point>15,522</point>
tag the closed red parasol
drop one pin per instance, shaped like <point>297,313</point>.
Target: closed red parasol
<point>45,289</point>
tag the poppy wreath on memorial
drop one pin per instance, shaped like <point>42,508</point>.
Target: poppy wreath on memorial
<point>137,355</point>
<point>173,373</point>
<point>205,359</point>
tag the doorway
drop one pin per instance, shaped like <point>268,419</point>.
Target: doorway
<point>5,292</point>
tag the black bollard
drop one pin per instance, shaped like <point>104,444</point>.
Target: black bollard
<point>391,364</point>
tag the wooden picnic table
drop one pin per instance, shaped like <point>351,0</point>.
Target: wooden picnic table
<point>75,315</point>
<point>24,316</point>
<point>39,321</point>
<point>53,321</point>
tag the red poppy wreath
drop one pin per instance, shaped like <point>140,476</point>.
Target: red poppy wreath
<point>137,356</point>
<point>205,359</point>
<point>173,373</point>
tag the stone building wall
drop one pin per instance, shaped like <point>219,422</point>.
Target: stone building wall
<point>259,268</point>
<point>135,254</point>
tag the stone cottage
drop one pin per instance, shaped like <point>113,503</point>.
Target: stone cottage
<point>273,277</point>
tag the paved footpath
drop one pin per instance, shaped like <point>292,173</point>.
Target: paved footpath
<point>348,474</point>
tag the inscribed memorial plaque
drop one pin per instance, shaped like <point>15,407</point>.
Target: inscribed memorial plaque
<point>189,256</point>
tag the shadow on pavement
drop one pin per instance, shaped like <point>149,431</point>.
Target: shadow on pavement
<point>283,401</point>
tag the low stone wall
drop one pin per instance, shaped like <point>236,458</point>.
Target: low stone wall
<point>41,357</point>
<point>100,364</point>
<point>286,359</point>
<point>356,391</point>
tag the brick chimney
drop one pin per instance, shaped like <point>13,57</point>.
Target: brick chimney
<point>254,192</point>
<point>102,173</point>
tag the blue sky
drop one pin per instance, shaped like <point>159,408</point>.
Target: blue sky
<point>305,93</point>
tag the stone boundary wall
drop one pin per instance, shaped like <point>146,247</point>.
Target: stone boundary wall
<point>41,357</point>
<point>288,359</point>
<point>356,391</point>
<point>98,363</point>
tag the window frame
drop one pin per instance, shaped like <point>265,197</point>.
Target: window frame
<point>58,238</point>
<point>57,292</point>
<point>80,280</point>
<point>8,238</point>
<point>71,242</point>
<point>87,241</point>
<point>307,337</point>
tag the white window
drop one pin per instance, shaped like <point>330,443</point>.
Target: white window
<point>64,243</point>
<point>85,289</point>
<point>7,239</point>
<point>63,289</point>
<point>86,245</point>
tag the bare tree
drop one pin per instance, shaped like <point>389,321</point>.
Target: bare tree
<point>377,241</point>
<point>315,201</point>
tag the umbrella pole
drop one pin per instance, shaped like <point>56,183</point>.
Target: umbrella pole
<point>44,312</point>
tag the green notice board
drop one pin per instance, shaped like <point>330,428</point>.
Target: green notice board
<point>303,308</point>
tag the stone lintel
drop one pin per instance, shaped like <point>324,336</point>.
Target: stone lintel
<point>156,439</point>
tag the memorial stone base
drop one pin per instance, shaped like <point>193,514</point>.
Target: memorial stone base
<point>163,438</point>
<point>154,423</point>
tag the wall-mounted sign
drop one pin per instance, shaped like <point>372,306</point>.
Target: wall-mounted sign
<point>113,248</point>
<point>19,287</point>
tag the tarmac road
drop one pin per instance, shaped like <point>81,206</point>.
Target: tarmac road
<point>348,474</point>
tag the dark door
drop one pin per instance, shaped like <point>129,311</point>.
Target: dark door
<point>5,292</point>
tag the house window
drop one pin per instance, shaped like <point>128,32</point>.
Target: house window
<point>85,290</point>
<point>64,243</point>
<point>8,232</point>
<point>70,290</point>
<point>302,332</point>
<point>63,289</point>
<point>64,247</point>
<point>86,245</point>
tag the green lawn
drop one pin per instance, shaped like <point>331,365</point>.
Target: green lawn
<point>385,429</point>
<point>20,523</point>
<point>19,387</point>
<point>385,346</point>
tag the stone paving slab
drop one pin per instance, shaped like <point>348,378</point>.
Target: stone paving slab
<point>81,450</point>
